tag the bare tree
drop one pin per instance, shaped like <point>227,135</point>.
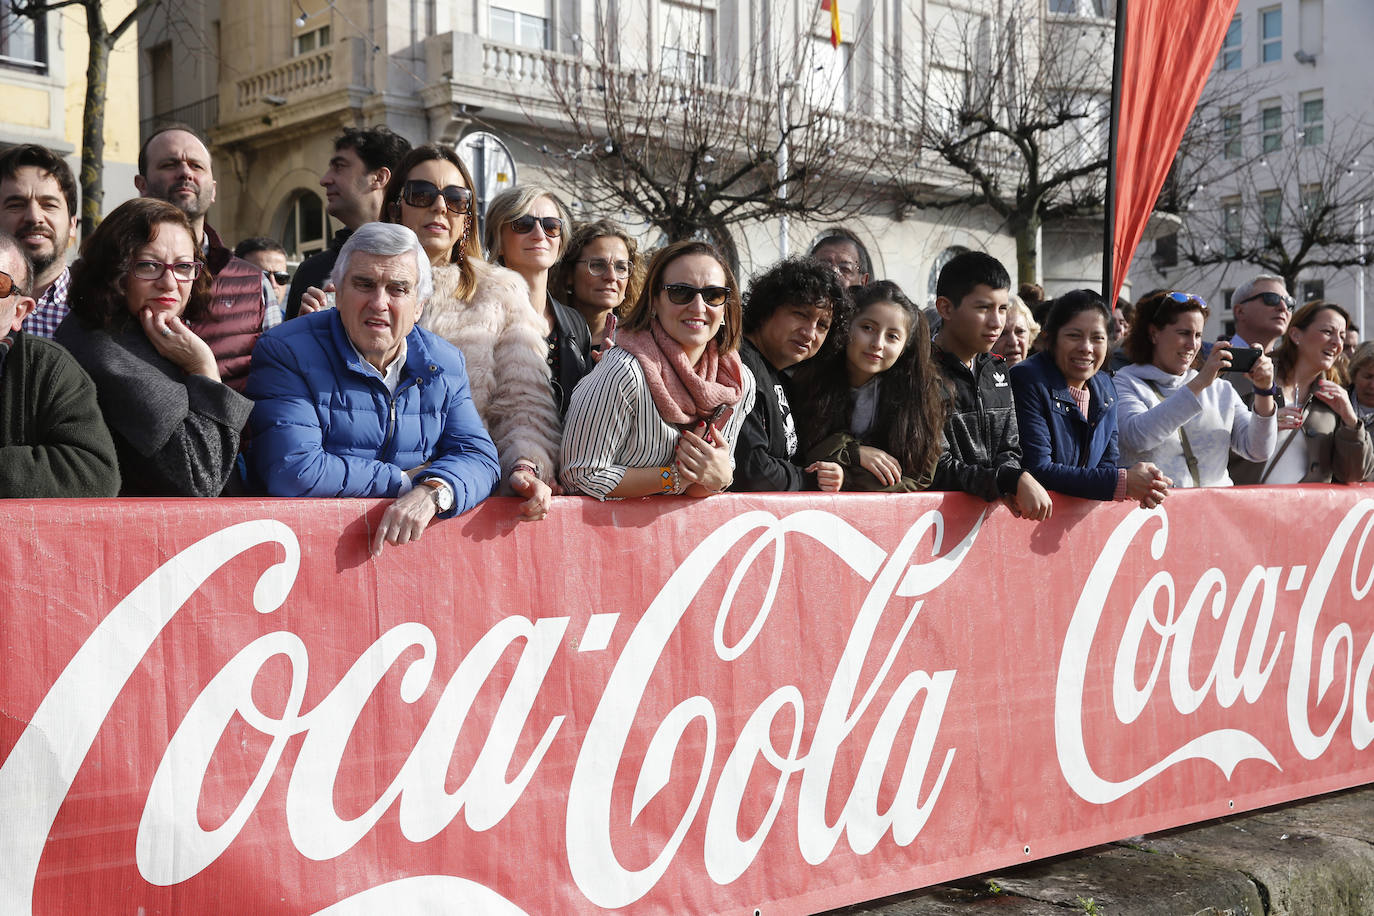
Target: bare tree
<point>696,153</point>
<point>1285,202</point>
<point>1015,111</point>
<point>102,39</point>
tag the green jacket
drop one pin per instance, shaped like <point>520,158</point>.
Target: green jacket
<point>53,439</point>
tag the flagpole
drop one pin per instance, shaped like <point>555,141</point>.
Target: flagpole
<point>1109,204</point>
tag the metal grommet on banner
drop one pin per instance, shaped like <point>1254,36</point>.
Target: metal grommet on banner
<point>1026,850</point>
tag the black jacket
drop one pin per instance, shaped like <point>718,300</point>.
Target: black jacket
<point>574,353</point>
<point>767,442</point>
<point>983,453</point>
<point>314,271</point>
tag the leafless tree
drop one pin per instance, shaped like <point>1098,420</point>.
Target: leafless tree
<point>1013,118</point>
<point>697,153</point>
<point>103,38</point>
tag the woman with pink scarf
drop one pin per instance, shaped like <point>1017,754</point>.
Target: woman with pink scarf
<point>660,412</point>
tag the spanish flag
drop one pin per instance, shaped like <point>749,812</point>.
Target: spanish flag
<point>833,6</point>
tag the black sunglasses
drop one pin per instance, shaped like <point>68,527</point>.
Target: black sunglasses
<point>1271,299</point>
<point>280,276</point>
<point>683,293</point>
<point>522,225</point>
<point>421,193</point>
<point>7,285</point>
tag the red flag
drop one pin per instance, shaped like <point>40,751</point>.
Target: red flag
<point>833,7</point>
<point>1170,48</point>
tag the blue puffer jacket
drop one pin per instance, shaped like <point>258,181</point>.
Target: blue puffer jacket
<point>1063,451</point>
<point>324,425</point>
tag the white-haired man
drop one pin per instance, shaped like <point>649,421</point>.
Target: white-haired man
<point>1261,308</point>
<point>359,401</point>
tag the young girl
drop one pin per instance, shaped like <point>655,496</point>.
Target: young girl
<point>873,408</point>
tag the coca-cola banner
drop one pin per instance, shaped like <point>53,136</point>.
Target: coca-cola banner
<point>781,703</point>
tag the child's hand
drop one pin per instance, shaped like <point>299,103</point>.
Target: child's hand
<point>1032,499</point>
<point>829,475</point>
<point>880,464</point>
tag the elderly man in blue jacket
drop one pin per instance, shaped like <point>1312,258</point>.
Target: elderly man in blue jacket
<point>359,401</point>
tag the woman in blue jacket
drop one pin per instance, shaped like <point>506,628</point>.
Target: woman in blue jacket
<point>1066,410</point>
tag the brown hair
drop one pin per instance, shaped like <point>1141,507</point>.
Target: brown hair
<point>98,295</point>
<point>561,276</point>
<point>641,315</point>
<point>468,248</point>
<point>1286,354</point>
<point>1156,310</point>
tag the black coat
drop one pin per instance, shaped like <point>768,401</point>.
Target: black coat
<point>314,271</point>
<point>766,447</point>
<point>574,353</point>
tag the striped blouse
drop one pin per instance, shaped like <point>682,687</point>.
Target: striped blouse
<point>612,425</point>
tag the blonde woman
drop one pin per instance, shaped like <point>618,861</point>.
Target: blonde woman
<point>526,229</point>
<point>485,312</point>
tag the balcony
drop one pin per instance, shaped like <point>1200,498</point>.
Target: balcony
<point>309,87</point>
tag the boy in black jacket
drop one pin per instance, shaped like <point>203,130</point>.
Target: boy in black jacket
<point>787,315</point>
<point>983,455</point>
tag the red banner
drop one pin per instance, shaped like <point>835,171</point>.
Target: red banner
<point>782,702</point>
<point>1170,49</point>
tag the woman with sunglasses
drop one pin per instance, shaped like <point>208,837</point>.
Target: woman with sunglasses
<point>660,413</point>
<point>1188,421</point>
<point>137,290</point>
<point>525,232</point>
<point>484,311</point>
<point>1320,436</point>
<point>596,276</point>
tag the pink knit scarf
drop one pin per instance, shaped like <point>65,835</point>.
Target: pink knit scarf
<point>683,392</point>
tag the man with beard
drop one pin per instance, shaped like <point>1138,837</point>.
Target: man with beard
<point>38,208</point>
<point>174,165</point>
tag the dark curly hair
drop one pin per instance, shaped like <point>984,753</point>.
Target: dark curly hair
<point>798,281</point>
<point>45,160</point>
<point>561,276</point>
<point>911,409</point>
<point>1156,310</point>
<point>376,147</point>
<point>641,314</point>
<point>468,247</point>
<point>97,295</point>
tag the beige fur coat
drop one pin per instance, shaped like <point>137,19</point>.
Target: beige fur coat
<point>502,341</point>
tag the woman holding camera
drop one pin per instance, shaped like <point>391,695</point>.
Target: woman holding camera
<point>1188,421</point>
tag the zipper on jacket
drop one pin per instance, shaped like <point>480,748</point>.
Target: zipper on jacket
<point>391,419</point>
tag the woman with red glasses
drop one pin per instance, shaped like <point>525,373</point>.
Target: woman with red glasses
<point>1189,421</point>
<point>483,310</point>
<point>660,413</point>
<point>526,230</point>
<point>135,295</point>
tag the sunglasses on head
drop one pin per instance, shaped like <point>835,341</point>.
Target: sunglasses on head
<point>1272,299</point>
<point>522,225</point>
<point>683,293</point>
<point>421,193</point>
<point>280,277</point>
<point>7,285</point>
<point>1185,298</point>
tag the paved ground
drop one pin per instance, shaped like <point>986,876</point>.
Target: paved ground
<point>1313,858</point>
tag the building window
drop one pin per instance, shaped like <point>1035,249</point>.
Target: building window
<point>513,27</point>
<point>1231,227</point>
<point>1079,7</point>
<point>1226,295</point>
<point>23,41</point>
<point>1271,126</point>
<point>1312,289</point>
<point>688,42</point>
<point>312,40</point>
<point>828,79</point>
<point>1232,144</point>
<point>1313,114</point>
<point>1230,46</point>
<point>1313,203</point>
<point>306,230</point>
<point>1271,35</point>
<point>1271,211</point>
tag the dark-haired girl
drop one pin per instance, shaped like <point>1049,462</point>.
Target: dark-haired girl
<point>1066,410</point>
<point>873,408</point>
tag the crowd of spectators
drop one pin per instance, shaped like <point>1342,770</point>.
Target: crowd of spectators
<point>420,360</point>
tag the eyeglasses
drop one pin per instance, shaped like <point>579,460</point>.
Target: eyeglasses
<point>280,277</point>
<point>183,271</point>
<point>683,293</point>
<point>420,193</point>
<point>597,267</point>
<point>7,285</point>
<point>1185,298</point>
<point>1271,299</point>
<point>523,225</point>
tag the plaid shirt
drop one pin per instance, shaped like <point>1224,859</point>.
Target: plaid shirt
<point>52,308</point>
